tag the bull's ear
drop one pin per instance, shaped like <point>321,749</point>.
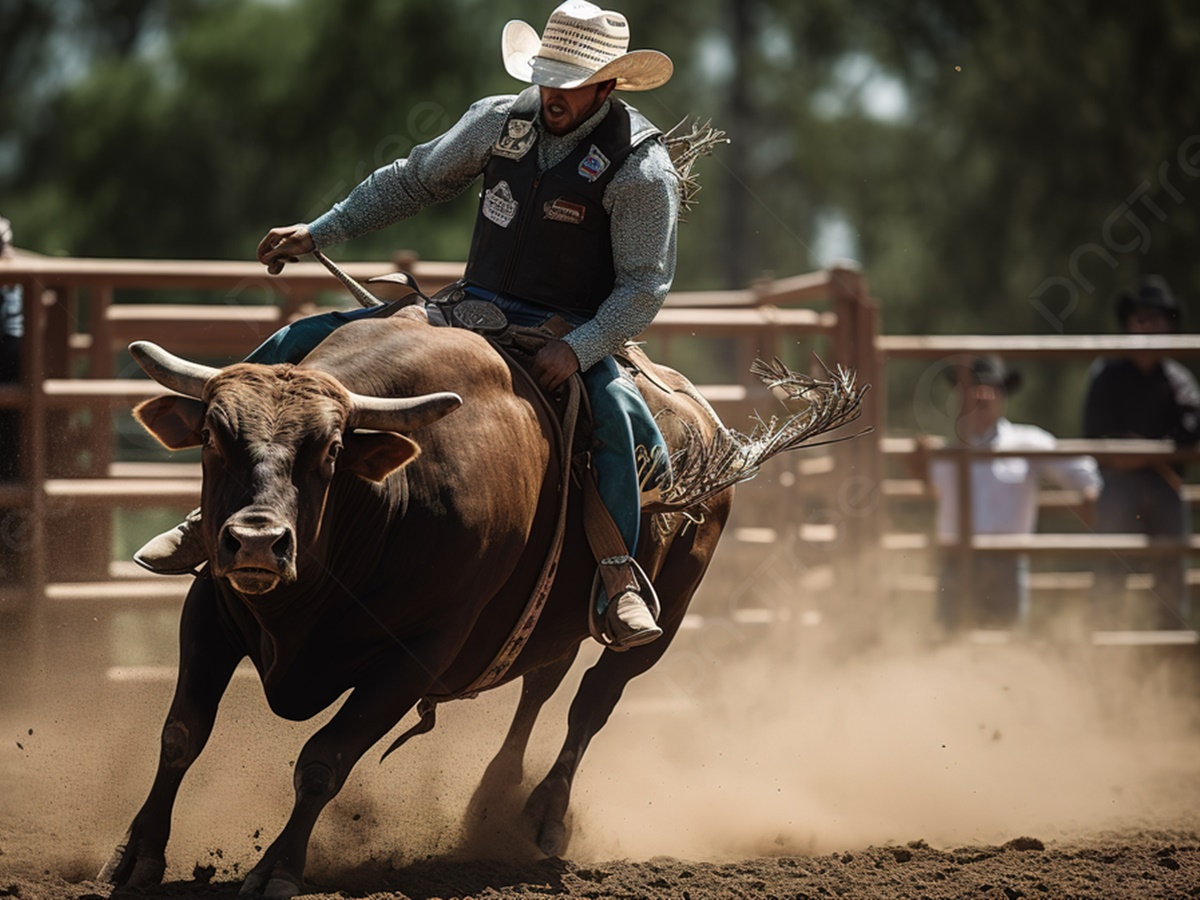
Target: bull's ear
<point>176,421</point>
<point>377,454</point>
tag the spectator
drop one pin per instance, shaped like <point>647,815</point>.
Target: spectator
<point>11,329</point>
<point>1004,495</point>
<point>1144,395</point>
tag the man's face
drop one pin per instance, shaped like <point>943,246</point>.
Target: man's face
<point>565,110</point>
<point>981,406</point>
<point>1148,320</point>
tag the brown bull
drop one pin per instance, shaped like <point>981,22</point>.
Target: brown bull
<point>343,556</point>
<point>392,562</point>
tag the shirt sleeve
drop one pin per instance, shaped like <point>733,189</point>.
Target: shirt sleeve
<point>1074,472</point>
<point>435,171</point>
<point>643,205</point>
<point>1187,402</point>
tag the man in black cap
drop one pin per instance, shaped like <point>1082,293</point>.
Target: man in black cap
<point>1144,395</point>
<point>11,330</point>
<point>1004,495</point>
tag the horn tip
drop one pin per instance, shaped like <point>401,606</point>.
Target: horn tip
<point>143,350</point>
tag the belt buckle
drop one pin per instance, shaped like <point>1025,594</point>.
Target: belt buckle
<point>479,316</point>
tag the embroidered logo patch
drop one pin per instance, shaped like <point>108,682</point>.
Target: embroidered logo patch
<point>593,164</point>
<point>499,205</point>
<point>518,137</point>
<point>562,210</point>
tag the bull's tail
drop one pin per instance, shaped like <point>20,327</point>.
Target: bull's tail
<point>704,466</point>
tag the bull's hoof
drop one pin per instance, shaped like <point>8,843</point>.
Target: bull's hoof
<point>546,812</point>
<point>552,839</point>
<point>126,869</point>
<point>281,889</point>
<point>274,884</point>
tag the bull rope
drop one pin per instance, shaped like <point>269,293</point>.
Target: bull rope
<point>519,636</point>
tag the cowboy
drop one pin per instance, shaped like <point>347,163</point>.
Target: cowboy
<point>577,219</point>
<point>1004,495</point>
<point>12,328</point>
<point>1148,396</point>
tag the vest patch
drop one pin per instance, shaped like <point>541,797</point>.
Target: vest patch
<point>562,210</point>
<point>593,164</point>
<point>518,137</point>
<point>499,205</point>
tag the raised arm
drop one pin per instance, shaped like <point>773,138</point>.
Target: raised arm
<point>433,172</point>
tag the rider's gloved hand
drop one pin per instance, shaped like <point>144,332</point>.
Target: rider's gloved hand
<point>284,245</point>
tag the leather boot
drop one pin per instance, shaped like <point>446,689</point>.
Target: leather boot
<point>175,552</point>
<point>629,621</point>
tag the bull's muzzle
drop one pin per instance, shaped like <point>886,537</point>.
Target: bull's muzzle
<point>256,551</point>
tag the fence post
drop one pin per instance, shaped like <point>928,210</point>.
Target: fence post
<point>963,600</point>
<point>35,448</point>
<point>860,492</point>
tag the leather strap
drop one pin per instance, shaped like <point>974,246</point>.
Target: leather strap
<point>608,547</point>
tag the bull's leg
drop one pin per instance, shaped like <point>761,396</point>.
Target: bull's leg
<point>493,816</point>
<point>325,763</point>
<point>605,682</point>
<point>507,768</point>
<point>598,694</point>
<point>207,659</point>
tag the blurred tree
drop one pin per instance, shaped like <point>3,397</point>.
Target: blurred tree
<point>1049,155</point>
<point>971,155</point>
<point>1041,124</point>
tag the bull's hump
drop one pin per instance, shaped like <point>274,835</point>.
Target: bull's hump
<point>411,357</point>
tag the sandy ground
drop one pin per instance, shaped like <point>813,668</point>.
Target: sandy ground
<point>745,766</point>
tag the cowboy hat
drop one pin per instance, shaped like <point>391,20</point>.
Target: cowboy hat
<point>582,44</point>
<point>987,370</point>
<point>1150,292</point>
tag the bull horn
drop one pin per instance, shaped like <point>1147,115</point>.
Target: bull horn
<point>401,414</point>
<point>360,293</point>
<point>172,372</point>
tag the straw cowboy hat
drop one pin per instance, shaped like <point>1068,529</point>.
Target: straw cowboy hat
<point>582,44</point>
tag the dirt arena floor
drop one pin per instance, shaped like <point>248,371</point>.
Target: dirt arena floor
<point>745,766</point>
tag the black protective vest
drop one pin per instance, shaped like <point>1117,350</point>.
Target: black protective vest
<point>544,236</point>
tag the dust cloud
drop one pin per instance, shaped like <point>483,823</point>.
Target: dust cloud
<point>764,741</point>
<point>958,745</point>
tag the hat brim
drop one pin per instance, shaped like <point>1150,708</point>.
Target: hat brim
<point>637,70</point>
<point>1009,380</point>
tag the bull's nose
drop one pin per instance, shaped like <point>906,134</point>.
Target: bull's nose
<point>277,538</point>
<point>241,536</point>
<point>258,545</point>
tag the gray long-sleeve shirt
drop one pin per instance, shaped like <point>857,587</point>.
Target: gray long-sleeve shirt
<point>642,201</point>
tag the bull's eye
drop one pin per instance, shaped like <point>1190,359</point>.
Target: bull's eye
<point>206,439</point>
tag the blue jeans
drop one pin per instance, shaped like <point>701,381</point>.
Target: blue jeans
<point>1141,501</point>
<point>623,422</point>
<point>999,591</point>
<point>294,341</point>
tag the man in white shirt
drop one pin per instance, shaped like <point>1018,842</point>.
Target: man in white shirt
<point>1004,494</point>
